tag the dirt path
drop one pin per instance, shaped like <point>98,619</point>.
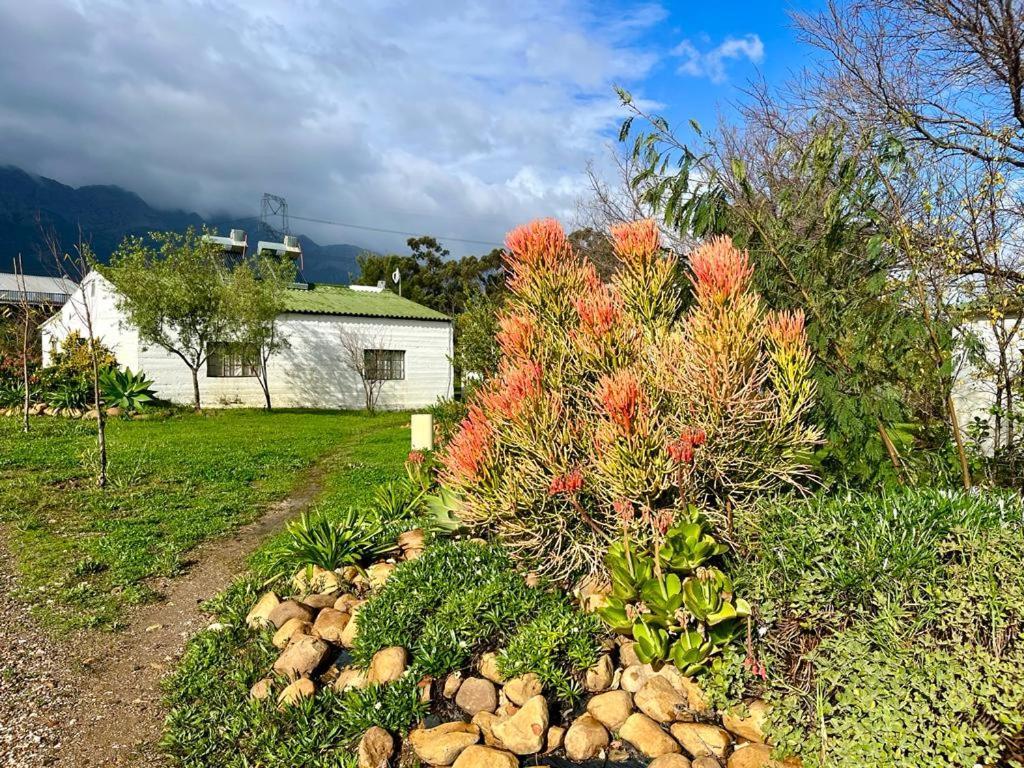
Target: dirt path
<point>100,704</point>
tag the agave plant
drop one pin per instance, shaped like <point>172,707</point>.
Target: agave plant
<point>68,396</point>
<point>12,394</point>
<point>124,389</point>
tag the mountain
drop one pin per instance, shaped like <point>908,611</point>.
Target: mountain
<point>31,204</point>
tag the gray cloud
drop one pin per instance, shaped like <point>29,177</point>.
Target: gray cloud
<point>458,118</point>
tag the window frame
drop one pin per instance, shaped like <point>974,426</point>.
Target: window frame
<point>229,360</point>
<point>389,361</point>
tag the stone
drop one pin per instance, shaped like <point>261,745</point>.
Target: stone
<point>288,630</point>
<point>633,678</point>
<point>477,694</point>
<point>486,721</point>
<point>750,727</point>
<point>320,601</point>
<point>523,732</point>
<point>114,411</point>
<point>378,573</point>
<point>351,631</point>
<point>259,616</point>
<point>375,748</point>
<point>611,709</point>
<point>302,657</point>
<point>426,685</point>
<point>700,739</point>
<point>477,756</point>
<point>647,736</point>
<point>555,739</point>
<point>346,603</point>
<point>585,738</point>
<point>759,756</point>
<point>350,574</point>
<point>414,539</point>
<point>302,688</point>
<point>313,578</point>
<point>261,689</point>
<point>627,655</point>
<point>523,688</point>
<point>443,744</point>
<point>290,609</point>
<point>659,700</point>
<point>349,678</point>
<point>330,625</point>
<point>451,685</point>
<point>670,761</point>
<point>696,699</point>
<point>388,664</point>
<point>599,677</point>
<point>488,667</point>
<point>707,761</point>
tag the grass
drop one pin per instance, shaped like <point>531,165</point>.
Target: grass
<point>83,555</point>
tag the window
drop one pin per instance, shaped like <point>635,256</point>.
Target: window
<point>384,364</point>
<point>230,360</point>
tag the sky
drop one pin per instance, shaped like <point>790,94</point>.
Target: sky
<point>458,118</point>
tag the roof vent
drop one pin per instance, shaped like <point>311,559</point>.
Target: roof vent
<point>238,235</point>
<point>291,241</point>
<point>380,285</point>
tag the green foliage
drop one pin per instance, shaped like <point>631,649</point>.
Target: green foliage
<point>317,539</point>
<point>12,394</point>
<point>72,394</point>
<point>124,389</point>
<point>677,607</point>
<point>462,598</point>
<point>72,358</point>
<point>893,626</point>
<point>808,209</point>
<point>432,278</point>
<point>448,415</point>
<point>476,328</point>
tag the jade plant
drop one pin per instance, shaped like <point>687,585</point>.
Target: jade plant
<point>677,606</point>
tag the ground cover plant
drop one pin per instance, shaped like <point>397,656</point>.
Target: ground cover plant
<point>892,626</point>
<point>174,481</point>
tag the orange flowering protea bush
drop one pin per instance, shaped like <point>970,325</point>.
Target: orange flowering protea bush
<point>604,390</point>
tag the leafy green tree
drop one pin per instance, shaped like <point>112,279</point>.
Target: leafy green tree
<point>806,204</point>
<point>172,288</point>
<point>431,277</point>
<point>253,302</point>
<point>476,345</point>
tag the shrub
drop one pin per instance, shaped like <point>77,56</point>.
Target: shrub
<point>461,598</point>
<point>69,395</point>
<point>597,380</point>
<point>893,627</point>
<point>318,539</point>
<point>124,389</point>
<point>448,414</point>
<point>72,358</point>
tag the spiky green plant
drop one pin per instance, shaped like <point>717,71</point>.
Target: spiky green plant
<point>124,389</point>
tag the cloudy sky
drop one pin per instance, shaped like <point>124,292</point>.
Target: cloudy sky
<point>450,117</point>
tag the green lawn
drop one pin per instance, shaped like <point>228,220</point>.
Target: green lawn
<point>84,554</point>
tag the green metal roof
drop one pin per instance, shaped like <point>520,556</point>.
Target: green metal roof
<point>326,299</point>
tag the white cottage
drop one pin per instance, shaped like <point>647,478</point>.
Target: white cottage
<point>410,343</point>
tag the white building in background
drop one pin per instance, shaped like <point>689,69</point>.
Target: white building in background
<point>410,344</point>
<point>977,391</point>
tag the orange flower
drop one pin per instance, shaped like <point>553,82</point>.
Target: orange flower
<point>517,335</point>
<point>512,390</point>
<point>624,509</point>
<point>568,484</point>
<point>599,312</point>
<point>786,328</point>
<point>415,458</point>
<point>720,270</point>
<point>541,243</point>
<point>468,452</point>
<point>637,241</point>
<point>621,398</point>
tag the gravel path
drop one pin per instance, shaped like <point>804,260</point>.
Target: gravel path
<point>37,689</point>
<point>94,701</point>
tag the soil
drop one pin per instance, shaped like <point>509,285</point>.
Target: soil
<point>97,701</point>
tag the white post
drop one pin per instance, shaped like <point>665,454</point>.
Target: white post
<point>422,432</point>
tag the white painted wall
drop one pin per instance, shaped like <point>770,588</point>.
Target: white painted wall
<point>974,389</point>
<point>311,372</point>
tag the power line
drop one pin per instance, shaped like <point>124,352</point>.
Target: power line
<point>394,231</point>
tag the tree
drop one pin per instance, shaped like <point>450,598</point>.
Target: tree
<point>172,288</point>
<point>253,302</point>
<point>808,201</point>
<point>432,278</point>
<point>476,346</point>
<point>358,353</point>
